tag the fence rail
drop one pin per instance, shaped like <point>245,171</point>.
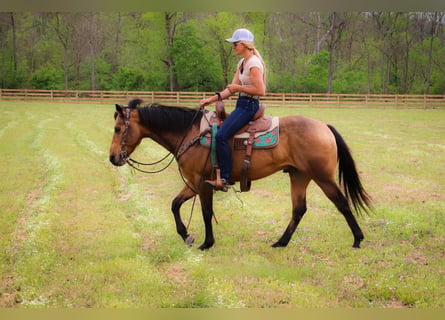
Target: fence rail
<point>193,98</point>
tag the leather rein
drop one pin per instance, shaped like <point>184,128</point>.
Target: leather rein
<point>181,149</point>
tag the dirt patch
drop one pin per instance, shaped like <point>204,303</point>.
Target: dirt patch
<point>9,296</point>
<point>148,243</point>
<point>416,258</point>
<point>176,274</point>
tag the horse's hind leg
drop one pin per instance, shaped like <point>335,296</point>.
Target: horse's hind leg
<point>185,194</point>
<point>299,183</point>
<point>333,192</point>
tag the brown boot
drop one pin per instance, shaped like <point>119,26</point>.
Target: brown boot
<point>223,185</point>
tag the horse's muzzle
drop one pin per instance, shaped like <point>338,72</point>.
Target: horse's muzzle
<point>117,160</point>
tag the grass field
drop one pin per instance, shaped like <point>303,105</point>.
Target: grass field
<point>78,232</point>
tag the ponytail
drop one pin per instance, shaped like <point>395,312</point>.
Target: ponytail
<point>251,46</point>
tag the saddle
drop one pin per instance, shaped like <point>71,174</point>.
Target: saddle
<point>261,132</point>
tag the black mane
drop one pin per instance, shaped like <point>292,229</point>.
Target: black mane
<point>162,118</point>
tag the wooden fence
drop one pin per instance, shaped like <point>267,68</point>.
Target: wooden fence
<point>193,98</point>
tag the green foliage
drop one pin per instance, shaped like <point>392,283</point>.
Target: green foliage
<point>437,74</point>
<point>145,47</point>
<point>316,78</point>
<point>377,52</point>
<point>104,74</point>
<point>437,83</point>
<point>128,79</point>
<point>281,82</point>
<point>196,68</point>
<point>350,82</point>
<point>213,31</point>
<point>47,78</point>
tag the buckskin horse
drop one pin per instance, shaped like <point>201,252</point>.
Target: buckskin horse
<point>308,149</point>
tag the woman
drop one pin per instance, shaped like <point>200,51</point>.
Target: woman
<point>249,83</point>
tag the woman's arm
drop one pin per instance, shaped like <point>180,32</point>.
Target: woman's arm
<point>224,94</point>
<point>257,89</point>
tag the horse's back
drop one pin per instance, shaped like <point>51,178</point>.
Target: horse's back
<point>308,142</point>
<point>307,131</point>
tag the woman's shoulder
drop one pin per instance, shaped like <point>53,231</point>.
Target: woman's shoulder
<point>255,61</point>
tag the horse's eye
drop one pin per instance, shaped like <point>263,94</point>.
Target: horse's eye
<point>117,129</point>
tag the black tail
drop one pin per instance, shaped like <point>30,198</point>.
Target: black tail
<point>348,175</point>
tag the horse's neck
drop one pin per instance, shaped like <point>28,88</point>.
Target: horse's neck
<point>165,141</point>
<point>170,141</point>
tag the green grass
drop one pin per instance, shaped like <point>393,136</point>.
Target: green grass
<point>78,232</point>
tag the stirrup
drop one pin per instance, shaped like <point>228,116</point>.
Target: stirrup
<point>218,184</point>
<point>218,187</point>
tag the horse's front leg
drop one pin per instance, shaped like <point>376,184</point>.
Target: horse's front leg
<point>206,197</point>
<point>185,194</point>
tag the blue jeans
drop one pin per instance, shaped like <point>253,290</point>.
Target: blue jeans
<point>244,111</point>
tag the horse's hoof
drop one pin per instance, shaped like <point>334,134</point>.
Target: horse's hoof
<point>189,240</point>
<point>278,245</point>
<point>357,242</point>
<point>356,245</point>
<point>205,246</point>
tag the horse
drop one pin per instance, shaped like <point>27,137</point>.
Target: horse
<point>308,149</point>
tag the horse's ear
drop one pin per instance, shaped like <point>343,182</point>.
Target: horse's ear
<point>133,104</point>
<point>118,111</point>
<point>119,108</point>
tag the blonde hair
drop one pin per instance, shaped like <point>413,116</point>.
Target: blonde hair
<point>251,46</point>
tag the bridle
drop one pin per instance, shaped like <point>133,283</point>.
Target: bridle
<point>126,112</point>
<point>180,150</point>
<point>124,154</point>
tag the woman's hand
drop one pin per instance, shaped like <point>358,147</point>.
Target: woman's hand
<point>205,102</point>
<point>233,88</point>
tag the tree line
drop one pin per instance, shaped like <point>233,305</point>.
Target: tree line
<point>329,52</point>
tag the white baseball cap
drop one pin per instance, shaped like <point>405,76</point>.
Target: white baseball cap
<point>241,35</point>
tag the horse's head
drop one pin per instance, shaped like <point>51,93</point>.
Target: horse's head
<point>127,133</point>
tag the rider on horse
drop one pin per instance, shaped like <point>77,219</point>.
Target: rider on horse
<point>249,82</point>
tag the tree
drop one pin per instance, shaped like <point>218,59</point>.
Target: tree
<point>375,52</point>
<point>334,35</point>
<point>387,24</point>
<point>314,80</point>
<point>332,27</point>
<point>172,19</point>
<point>63,25</point>
<point>128,79</point>
<point>9,26</point>
<point>94,35</point>
<point>47,78</point>
<point>219,27</point>
<point>195,67</point>
<point>14,39</point>
<point>435,20</point>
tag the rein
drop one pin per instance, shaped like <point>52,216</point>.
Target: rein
<point>134,164</point>
<point>180,150</point>
<point>124,154</point>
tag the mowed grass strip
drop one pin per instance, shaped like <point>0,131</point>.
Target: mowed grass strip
<point>78,232</point>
